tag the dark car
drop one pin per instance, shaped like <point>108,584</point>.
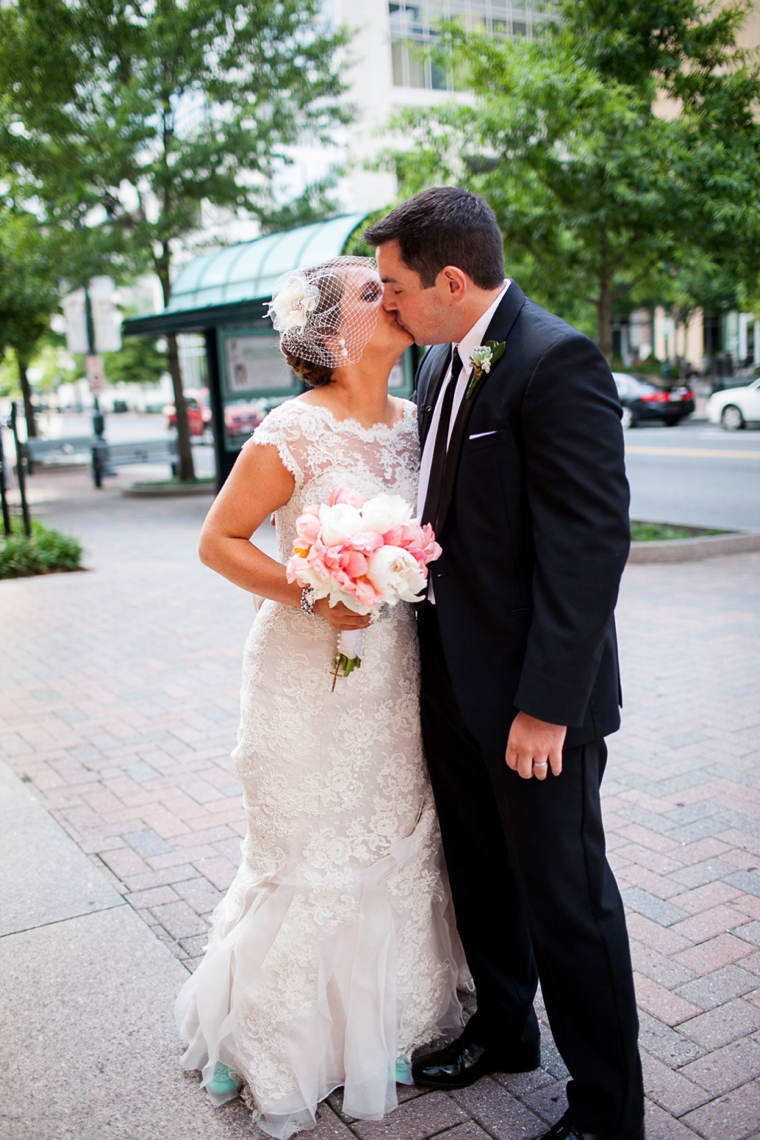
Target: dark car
<point>643,402</point>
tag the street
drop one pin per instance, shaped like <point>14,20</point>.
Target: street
<point>696,474</point>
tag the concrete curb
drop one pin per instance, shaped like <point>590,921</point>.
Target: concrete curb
<point>694,549</point>
<point>180,491</point>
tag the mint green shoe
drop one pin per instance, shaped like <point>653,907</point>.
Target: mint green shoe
<point>224,1080</point>
<point>403,1071</point>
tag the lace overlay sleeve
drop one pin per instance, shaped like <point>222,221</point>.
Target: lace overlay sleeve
<point>280,429</point>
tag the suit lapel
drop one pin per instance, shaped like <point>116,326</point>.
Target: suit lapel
<point>437,368</point>
<point>498,330</point>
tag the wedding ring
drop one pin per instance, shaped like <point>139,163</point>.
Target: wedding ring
<point>540,763</point>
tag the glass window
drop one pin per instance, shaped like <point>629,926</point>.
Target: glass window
<point>253,373</point>
<point>416,67</point>
<point>413,26</point>
<point>397,59</point>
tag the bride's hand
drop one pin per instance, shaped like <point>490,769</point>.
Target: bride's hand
<point>340,616</point>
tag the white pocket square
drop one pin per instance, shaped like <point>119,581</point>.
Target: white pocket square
<point>481,434</point>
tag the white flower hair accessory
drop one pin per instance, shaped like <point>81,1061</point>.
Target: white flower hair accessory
<point>290,308</point>
<point>326,314</point>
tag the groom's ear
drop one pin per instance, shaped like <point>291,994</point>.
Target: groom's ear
<point>453,284</point>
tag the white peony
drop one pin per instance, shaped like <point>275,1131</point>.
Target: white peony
<point>396,574</point>
<point>385,512</point>
<point>339,523</point>
<point>291,307</point>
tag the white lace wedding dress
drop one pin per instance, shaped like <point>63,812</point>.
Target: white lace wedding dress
<point>334,954</point>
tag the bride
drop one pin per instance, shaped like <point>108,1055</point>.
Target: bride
<point>334,953</point>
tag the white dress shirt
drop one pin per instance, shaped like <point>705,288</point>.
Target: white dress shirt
<point>472,339</point>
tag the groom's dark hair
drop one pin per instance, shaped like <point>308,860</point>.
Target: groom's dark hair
<point>445,226</point>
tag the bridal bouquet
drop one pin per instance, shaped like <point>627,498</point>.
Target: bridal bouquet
<point>362,552</point>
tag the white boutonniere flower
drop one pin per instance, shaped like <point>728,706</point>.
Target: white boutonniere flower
<point>481,361</point>
<point>290,309</point>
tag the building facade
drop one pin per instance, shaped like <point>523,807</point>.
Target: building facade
<point>390,69</point>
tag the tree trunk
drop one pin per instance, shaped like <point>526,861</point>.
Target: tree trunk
<point>186,466</point>
<point>26,391</point>
<point>604,319</point>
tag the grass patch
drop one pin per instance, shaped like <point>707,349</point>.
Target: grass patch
<point>46,551</point>
<point>178,482</point>
<point>663,532</point>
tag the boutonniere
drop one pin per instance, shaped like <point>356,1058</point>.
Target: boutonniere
<point>482,359</point>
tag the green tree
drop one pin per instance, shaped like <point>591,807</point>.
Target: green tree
<point>139,360</point>
<point>124,119</point>
<point>598,193</point>
<point>29,294</point>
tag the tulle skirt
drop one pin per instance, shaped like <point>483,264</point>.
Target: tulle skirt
<point>298,1008</point>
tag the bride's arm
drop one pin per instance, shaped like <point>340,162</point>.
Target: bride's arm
<point>258,484</point>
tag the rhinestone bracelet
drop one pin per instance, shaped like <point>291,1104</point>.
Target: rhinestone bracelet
<point>307,599</point>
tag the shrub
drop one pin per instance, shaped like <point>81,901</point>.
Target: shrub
<point>44,552</point>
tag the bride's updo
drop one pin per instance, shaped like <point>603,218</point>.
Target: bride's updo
<point>326,315</point>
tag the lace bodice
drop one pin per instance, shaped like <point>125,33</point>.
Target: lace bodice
<point>324,454</point>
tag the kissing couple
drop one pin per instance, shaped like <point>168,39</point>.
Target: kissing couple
<point>432,822</point>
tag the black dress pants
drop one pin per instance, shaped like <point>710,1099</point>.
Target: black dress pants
<point>535,897</point>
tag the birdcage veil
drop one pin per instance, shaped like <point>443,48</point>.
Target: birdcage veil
<point>326,314</point>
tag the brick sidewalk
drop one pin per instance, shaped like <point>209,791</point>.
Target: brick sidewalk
<point>119,696</point>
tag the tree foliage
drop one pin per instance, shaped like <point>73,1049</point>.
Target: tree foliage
<point>601,189</point>
<point>138,361</point>
<point>29,293</point>
<point>123,117</point>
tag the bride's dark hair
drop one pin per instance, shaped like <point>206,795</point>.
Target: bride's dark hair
<point>315,375</point>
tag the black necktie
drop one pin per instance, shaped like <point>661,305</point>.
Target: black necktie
<point>435,482</point>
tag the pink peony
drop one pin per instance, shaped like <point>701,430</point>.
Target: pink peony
<point>367,541</point>
<point>366,594</point>
<point>307,527</point>
<point>351,498</point>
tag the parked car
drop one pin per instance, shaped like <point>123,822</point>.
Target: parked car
<point>242,416</point>
<point>198,412</point>
<point>735,408</point>
<point>644,402</point>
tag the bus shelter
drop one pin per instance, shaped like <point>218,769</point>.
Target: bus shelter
<point>223,296</point>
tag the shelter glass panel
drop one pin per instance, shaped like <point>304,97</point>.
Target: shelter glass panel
<point>254,376</point>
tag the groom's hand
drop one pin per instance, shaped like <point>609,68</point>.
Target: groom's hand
<point>534,746</point>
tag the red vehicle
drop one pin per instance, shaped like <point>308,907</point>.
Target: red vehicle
<point>198,412</point>
<point>242,416</point>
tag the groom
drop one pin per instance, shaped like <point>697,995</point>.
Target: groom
<point>522,477</point>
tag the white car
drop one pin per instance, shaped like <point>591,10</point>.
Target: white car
<point>734,408</point>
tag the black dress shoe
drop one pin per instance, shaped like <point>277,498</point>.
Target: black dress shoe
<point>564,1130</point>
<point>464,1062</point>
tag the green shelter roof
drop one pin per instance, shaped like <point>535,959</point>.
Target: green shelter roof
<point>248,271</point>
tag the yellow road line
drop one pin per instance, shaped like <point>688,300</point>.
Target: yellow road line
<point>694,452</point>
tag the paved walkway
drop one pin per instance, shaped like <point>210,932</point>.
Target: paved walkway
<point>118,708</point>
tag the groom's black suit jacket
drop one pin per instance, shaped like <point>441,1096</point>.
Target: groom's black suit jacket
<point>534,529</point>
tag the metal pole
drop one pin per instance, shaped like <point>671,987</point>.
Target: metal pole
<point>97,419</point>
<point>21,471</point>
<point>3,496</point>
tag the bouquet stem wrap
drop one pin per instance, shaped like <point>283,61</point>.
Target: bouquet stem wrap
<point>349,652</point>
